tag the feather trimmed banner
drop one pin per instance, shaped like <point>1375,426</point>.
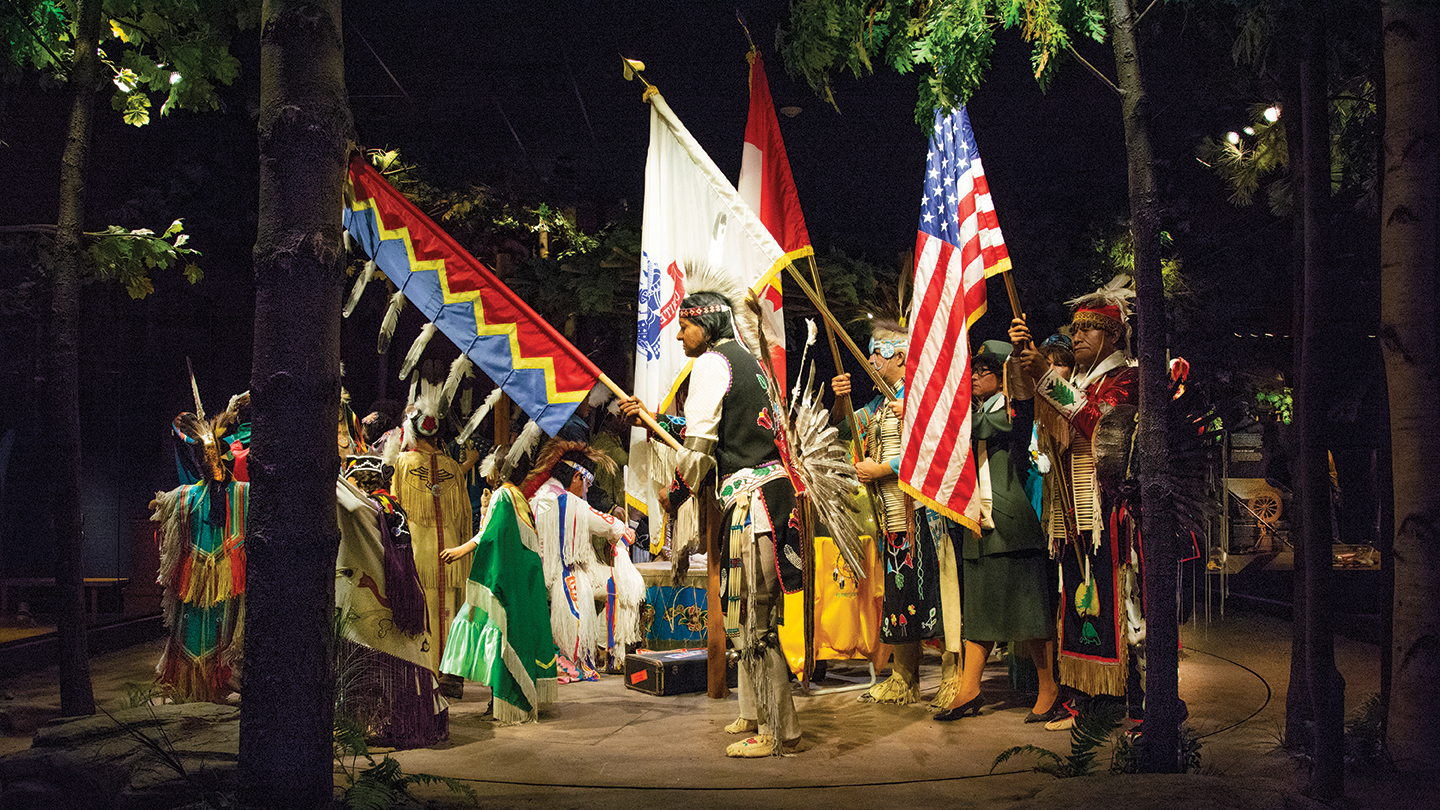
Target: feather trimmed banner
<point>541,371</point>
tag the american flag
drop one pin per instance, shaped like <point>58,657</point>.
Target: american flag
<point>958,246</point>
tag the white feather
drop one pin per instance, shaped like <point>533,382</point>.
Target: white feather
<point>459,370</point>
<point>523,445</point>
<point>348,240</point>
<point>479,416</point>
<point>487,465</point>
<point>359,288</point>
<point>599,395</point>
<point>387,324</point>
<point>810,331</point>
<point>412,357</point>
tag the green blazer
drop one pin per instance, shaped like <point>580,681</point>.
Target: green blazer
<point>1007,443</point>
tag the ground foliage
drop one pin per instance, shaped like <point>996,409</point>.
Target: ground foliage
<point>1092,731</point>
<point>380,784</point>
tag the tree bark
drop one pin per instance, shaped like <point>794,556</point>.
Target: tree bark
<point>76,696</point>
<point>1314,381</point>
<point>1161,574</point>
<point>286,728</point>
<point>1408,340</point>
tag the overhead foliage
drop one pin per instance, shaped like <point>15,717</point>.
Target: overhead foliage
<point>576,274</point>
<point>1256,155</point>
<point>948,42</point>
<point>173,51</point>
<point>176,52</point>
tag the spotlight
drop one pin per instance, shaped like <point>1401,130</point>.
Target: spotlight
<point>1272,114</point>
<point>1233,137</point>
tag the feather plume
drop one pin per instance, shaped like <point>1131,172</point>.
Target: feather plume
<point>599,395</point>
<point>522,446</point>
<point>479,416</point>
<point>387,324</point>
<point>430,402</point>
<point>359,289</point>
<point>809,341</point>
<point>459,370</point>
<point>487,464</point>
<point>1116,292</point>
<point>549,456</point>
<point>348,240</point>
<point>823,464</point>
<point>817,456</point>
<point>238,401</point>
<point>412,357</point>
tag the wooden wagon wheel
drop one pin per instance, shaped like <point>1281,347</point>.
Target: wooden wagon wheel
<point>1266,507</point>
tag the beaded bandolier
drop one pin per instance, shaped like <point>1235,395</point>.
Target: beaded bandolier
<point>882,442</point>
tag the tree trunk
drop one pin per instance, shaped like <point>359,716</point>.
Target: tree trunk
<point>286,757</point>
<point>1162,642</point>
<point>1408,332</point>
<point>76,696</point>
<point>1299,717</point>
<point>1315,379</point>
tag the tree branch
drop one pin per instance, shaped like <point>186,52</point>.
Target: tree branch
<point>25,21</point>
<point>1094,70</point>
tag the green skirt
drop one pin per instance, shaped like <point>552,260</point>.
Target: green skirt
<point>1009,596</point>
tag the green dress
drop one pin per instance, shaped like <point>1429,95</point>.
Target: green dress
<point>501,635</point>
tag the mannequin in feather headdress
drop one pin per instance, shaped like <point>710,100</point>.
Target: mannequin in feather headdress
<point>430,486</point>
<point>921,583</point>
<point>578,570</point>
<point>729,433</point>
<point>202,566</point>
<point>1091,521</point>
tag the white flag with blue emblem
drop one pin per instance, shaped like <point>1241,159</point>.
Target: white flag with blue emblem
<point>692,214</point>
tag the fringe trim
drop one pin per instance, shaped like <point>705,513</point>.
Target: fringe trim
<point>1092,677</point>
<point>204,679</point>
<point>1053,423</point>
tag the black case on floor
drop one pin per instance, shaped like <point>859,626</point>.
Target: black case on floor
<point>671,672</point>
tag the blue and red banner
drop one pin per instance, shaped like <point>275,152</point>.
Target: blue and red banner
<point>517,349</point>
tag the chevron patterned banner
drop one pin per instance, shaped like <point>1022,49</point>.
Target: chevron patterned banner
<point>517,349</point>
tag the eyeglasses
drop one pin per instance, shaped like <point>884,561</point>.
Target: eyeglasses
<point>980,372</point>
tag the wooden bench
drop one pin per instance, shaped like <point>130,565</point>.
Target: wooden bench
<point>12,588</point>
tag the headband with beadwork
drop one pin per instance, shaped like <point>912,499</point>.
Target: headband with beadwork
<point>584,473</point>
<point>690,312</point>
<point>887,348</point>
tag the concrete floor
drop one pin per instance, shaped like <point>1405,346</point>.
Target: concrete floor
<point>604,745</point>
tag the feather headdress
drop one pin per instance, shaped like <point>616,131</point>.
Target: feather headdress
<point>702,277</point>
<point>1106,308</point>
<point>551,453</point>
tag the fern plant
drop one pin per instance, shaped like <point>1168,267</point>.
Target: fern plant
<point>1091,732</point>
<point>380,785</point>
<point>1127,755</point>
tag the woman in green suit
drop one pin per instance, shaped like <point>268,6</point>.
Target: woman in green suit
<point>1008,590</point>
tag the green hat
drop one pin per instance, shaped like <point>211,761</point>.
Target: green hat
<point>993,353</point>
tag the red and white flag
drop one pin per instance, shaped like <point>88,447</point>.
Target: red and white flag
<point>767,186</point>
<point>958,246</point>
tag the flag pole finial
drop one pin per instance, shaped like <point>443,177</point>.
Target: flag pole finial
<point>632,69</point>
<point>740,18</point>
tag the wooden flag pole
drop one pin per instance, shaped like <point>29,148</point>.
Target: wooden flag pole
<point>644,414</point>
<point>880,384</point>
